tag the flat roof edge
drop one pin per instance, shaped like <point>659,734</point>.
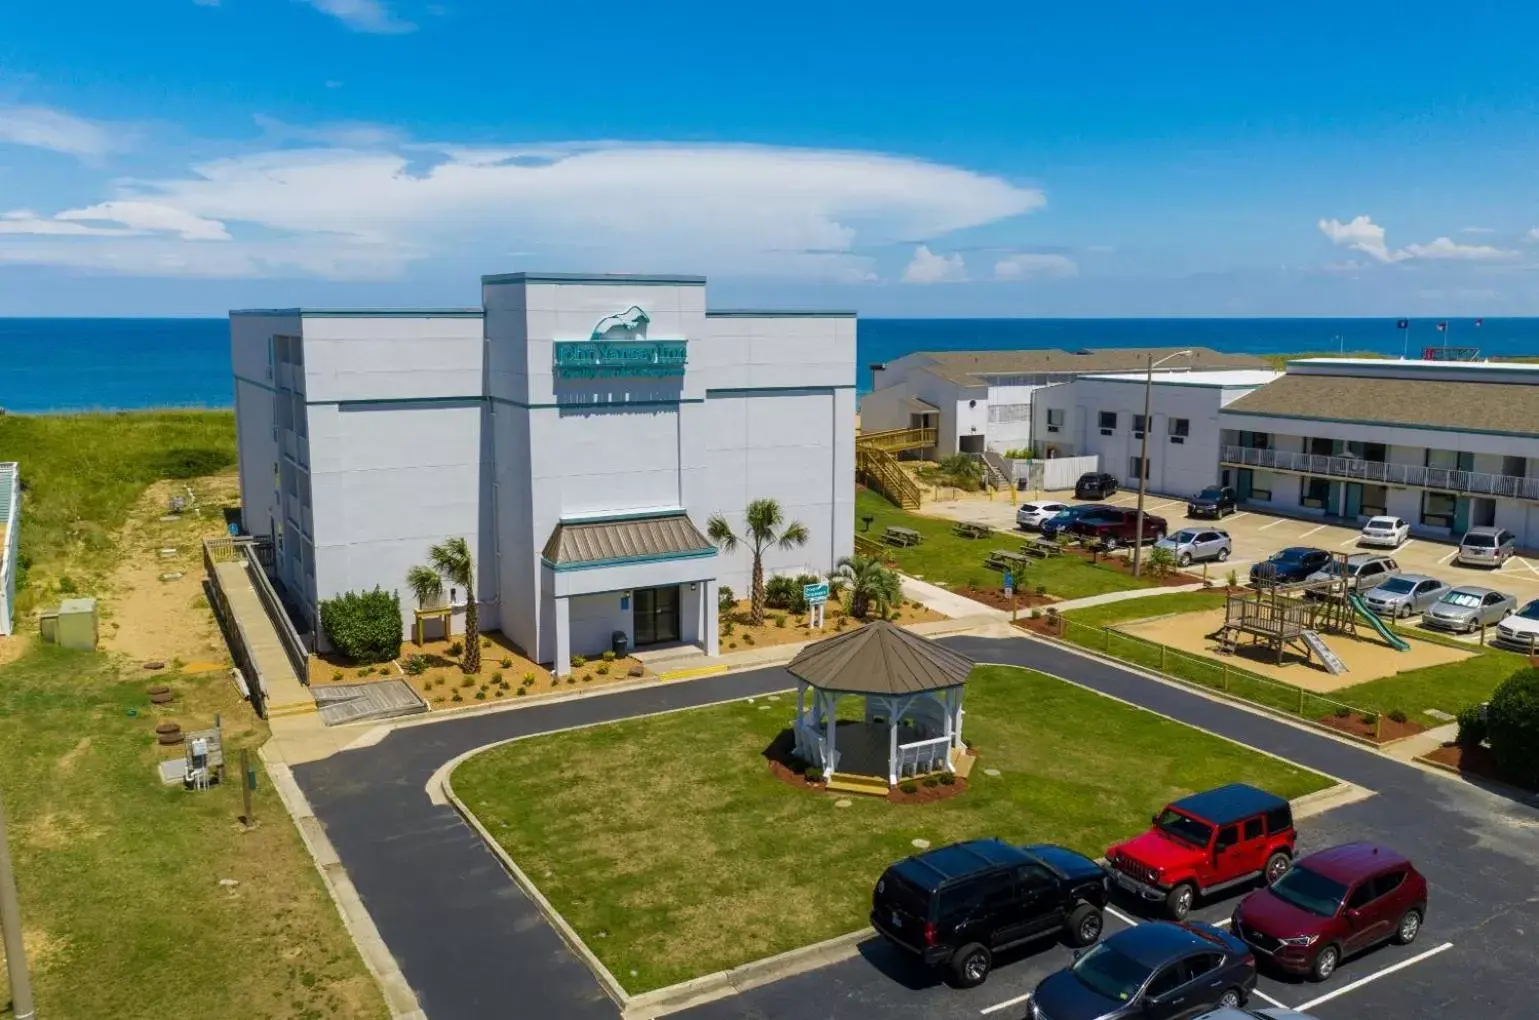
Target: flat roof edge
<point>644,279</point>
<point>363,313</point>
<point>781,313</point>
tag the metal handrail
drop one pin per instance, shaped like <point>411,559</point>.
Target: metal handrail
<point>1478,483</point>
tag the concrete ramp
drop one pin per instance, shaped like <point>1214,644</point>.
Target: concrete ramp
<point>284,693</point>
<point>382,699</point>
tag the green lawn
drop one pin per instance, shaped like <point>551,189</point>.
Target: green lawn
<point>1113,613</point>
<point>1448,688</point>
<point>946,559</point>
<point>673,851</point>
<point>119,876</point>
<point>83,472</point>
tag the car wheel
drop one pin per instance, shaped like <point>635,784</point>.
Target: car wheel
<point>970,965</point>
<point>1179,901</point>
<point>1276,867</point>
<point>1325,963</point>
<point>1223,554</point>
<point>1410,927</point>
<point>1231,999</point>
<point>1403,612</point>
<point>1084,925</point>
<point>1184,560</point>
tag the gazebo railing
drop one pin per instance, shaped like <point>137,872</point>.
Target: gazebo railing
<point>814,746</point>
<point>921,756</point>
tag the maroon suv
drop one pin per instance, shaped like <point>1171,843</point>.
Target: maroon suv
<point>1331,905</point>
<point>1115,525</point>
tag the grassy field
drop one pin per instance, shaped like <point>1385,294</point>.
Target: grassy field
<point>83,472</point>
<point>944,558</point>
<point>1447,688</point>
<point>1144,608</point>
<point>673,851</point>
<point>119,876</point>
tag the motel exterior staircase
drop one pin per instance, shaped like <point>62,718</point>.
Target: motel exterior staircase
<point>876,465</point>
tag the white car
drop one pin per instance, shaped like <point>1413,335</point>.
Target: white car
<point>1520,630</point>
<point>1029,516</point>
<point>1390,532</point>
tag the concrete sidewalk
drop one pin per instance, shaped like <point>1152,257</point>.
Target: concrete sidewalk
<point>1123,596</point>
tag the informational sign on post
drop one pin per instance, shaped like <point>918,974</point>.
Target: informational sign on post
<point>816,596</point>
<point>1009,584</point>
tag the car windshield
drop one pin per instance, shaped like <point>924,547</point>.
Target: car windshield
<point>1184,537</point>
<point>1398,586</point>
<point>1482,541</point>
<point>1287,556</point>
<point>1310,890</point>
<point>1110,973</point>
<point>1530,611</point>
<point>1211,492</point>
<point>1184,827</point>
<point>1464,599</point>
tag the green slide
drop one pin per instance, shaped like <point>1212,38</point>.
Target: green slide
<point>1389,637</point>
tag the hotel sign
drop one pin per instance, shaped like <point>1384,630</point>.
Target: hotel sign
<point>607,359</point>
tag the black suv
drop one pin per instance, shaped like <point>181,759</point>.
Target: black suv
<point>958,905</point>
<point>1287,566</point>
<point>1214,501</point>
<point>1094,485</point>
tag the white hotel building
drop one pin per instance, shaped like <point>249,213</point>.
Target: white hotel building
<point>576,431</point>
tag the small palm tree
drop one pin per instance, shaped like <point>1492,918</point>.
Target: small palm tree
<point>1160,561</point>
<point>764,520</point>
<point>868,580</point>
<point>451,559</point>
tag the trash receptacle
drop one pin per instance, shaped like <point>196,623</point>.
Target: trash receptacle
<point>620,643</point>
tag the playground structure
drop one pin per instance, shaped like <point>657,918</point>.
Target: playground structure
<point>1283,616</point>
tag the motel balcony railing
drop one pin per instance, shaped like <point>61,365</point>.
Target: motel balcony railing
<point>1416,476</point>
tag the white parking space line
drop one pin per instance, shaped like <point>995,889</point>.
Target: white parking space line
<point>1268,527</point>
<point>1237,516</point>
<point>1161,506</point>
<point>1005,1005</point>
<point>1264,997</point>
<point>1119,915</point>
<point>1350,541</point>
<point>1311,531</point>
<point>1450,556</point>
<point>1402,965</point>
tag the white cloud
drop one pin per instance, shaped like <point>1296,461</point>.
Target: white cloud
<point>1446,248</point>
<point>369,212</point>
<point>341,135</point>
<point>129,219</point>
<point>23,221</point>
<point>1361,234</point>
<point>42,128</point>
<point>1364,235</point>
<point>1027,264</point>
<point>363,15</point>
<point>1532,236</point>
<point>1477,230</point>
<point>928,267</point>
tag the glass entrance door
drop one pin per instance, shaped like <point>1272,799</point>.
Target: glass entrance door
<point>655,619</point>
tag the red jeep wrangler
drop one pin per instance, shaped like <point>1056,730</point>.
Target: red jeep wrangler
<point>1207,843</point>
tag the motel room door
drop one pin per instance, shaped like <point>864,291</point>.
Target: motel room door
<point>656,616</point>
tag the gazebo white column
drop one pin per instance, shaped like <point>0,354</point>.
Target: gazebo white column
<point>892,745</point>
<point>952,699</point>
<point>801,716</point>
<point>830,755</point>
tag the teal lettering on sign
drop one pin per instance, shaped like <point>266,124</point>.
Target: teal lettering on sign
<point>605,359</point>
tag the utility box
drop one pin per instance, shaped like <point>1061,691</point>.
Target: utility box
<point>76,625</point>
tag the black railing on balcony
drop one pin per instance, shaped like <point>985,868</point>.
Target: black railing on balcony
<point>1473,483</point>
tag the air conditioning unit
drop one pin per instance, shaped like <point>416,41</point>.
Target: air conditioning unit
<point>1138,435</point>
<point>1178,439</point>
<point>1106,432</point>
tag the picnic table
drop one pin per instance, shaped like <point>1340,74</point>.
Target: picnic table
<point>1004,559</point>
<point>1041,547</point>
<point>895,535</point>
<point>971,529</point>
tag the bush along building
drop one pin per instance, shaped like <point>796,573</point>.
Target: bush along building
<point>578,433</point>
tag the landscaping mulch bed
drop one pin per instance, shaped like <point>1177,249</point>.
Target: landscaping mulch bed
<point>1044,625</point>
<point>788,774</point>
<point>1475,761</point>
<point>995,598</point>
<point>926,794</point>
<point>1387,728</point>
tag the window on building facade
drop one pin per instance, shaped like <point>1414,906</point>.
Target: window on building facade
<point>1055,417</point>
<point>1181,427</point>
<point>1437,509</point>
<point>1256,440</point>
<point>1320,447</point>
<point>1374,499</point>
<point>1314,493</point>
<point>1004,413</point>
<point>1515,467</point>
<point>1138,424</point>
<point>1259,484</point>
<point>1108,419</point>
<point>1136,466</point>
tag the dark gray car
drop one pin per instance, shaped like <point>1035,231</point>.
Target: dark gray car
<point>1161,970</point>
<point>1465,608</point>
<point>1404,595</point>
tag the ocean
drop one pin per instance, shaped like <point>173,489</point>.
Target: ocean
<point>122,364</point>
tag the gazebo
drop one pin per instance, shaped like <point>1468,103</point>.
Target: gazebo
<point>912,689</point>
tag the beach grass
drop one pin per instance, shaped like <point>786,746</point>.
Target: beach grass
<point>670,869</point>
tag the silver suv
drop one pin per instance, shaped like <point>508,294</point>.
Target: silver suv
<point>1194,544</point>
<point>1363,571</point>
<point>1487,547</point>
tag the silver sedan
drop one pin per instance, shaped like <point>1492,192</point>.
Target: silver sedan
<point>1404,595</point>
<point>1467,608</point>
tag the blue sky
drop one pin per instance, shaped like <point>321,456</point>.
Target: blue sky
<point>186,156</point>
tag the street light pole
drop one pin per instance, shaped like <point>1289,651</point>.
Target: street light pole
<point>1143,458</point>
<point>10,928</point>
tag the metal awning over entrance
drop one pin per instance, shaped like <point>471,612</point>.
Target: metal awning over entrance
<point>918,406</point>
<point>573,545</point>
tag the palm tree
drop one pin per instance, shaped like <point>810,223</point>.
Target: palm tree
<point>764,520</point>
<point>869,580</point>
<point>451,559</point>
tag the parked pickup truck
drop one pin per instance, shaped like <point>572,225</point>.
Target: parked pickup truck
<point>1207,843</point>
<point>1116,526</point>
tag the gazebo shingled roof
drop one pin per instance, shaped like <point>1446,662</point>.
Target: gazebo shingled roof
<point>880,658</point>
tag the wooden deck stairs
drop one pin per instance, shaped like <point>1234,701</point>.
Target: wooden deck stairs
<point>879,469</point>
<point>869,786</point>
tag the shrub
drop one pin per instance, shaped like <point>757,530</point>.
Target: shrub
<point>66,584</point>
<point>456,648</point>
<point>1232,579</point>
<point>497,677</point>
<point>1036,614</point>
<point>579,661</point>
<point>726,598</point>
<point>366,671</point>
<point>498,692</point>
<point>813,775</point>
<point>457,697</point>
<point>780,620</point>
<point>1396,715</point>
<point>727,627</point>
<point>731,644</point>
<point>608,656</point>
<point>336,677</point>
<point>1161,561</point>
<point>1342,711</point>
<point>468,681</point>
<point>486,642</point>
<point>931,782</point>
<point>1512,727</point>
<point>947,779</point>
<point>481,694</point>
<point>1369,718</point>
<point>909,788</point>
<point>520,692</point>
<point>571,680</point>
<point>603,669</point>
<point>747,639</point>
<point>364,626</point>
<point>1041,589</point>
<point>1472,727</point>
<point>781,593</point>
<point>528,678</point>
<point>415,665</point>
<point>505,662</point>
